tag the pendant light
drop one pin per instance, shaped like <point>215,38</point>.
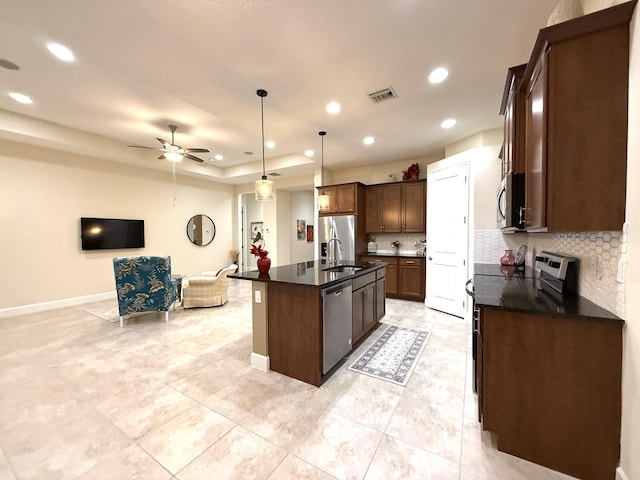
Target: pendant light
<point>264,187</point>
<point>323,198</point>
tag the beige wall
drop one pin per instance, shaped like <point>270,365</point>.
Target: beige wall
<point>630,457</point>
<point>44,193</point>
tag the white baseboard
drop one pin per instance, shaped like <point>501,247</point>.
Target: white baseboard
<point>620,475</point>
<point>260,362</point>
<point>65,302</point>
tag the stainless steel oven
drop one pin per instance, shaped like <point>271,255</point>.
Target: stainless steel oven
<point>510,202</point>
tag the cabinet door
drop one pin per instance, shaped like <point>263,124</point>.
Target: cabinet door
<point>373,209</point>
<point>357,315</point>
<point>411,279</point>
<point>536,148</point>
<point>381,293</point>
<point>391,272</point>
<point>369,306</point>
<point>413,207</point>
<point>392,208</point>
<point>346,198</point>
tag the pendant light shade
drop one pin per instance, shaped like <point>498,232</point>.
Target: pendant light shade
<point>323,198</point>
<point>264,187</point>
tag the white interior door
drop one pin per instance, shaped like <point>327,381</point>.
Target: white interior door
<point>447,236</point>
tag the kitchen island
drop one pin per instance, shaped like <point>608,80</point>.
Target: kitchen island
<point>308,315</point>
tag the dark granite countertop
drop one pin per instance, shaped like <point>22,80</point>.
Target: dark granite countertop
<point>392,255</point>
<point>524,294</point>
<point>310,273</point>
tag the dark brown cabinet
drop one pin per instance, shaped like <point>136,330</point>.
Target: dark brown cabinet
<point>344,199</point>
<point>405,277</point>
<point>576,88</point>
<point>363,305</point>
<point>395,207</point>
<point>549,387</point>
<point>411,278</point>
<point>513,109</point>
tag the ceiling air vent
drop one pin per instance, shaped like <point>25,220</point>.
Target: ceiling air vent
<point>381,95</point>
<point>275,174</point>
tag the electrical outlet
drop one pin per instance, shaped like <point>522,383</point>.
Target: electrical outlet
<point>258,296</point>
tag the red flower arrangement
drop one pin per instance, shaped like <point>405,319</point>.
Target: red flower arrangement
<point>258,251</point>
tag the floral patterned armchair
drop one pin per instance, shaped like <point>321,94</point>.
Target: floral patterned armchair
<point>144,284</point>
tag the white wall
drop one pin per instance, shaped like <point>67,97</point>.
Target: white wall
<point>43,194</point>
<point>630,441</point>
<point>302,207</point>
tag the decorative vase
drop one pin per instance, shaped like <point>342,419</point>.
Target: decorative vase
<point>264,264</point>
<point>372,247</point>
<point>508,258</point>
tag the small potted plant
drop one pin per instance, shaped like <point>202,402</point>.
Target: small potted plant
<point>264,262</point>
<point>395,245</point>
<point>372,246</point>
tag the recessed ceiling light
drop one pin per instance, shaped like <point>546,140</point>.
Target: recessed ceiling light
<point>21,98</point>
<point>368,140</point>
<point>218,157</point>
<point>438,75</point>
<point>448,123</point>
<point>333,108</point>
<point>309,153</point>
<point>270,144</point>
<point>61,52</point>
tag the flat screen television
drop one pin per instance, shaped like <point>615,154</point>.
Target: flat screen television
<point>111,233</point>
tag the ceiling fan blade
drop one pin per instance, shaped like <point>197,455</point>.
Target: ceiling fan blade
<point>140,146</point>
<point>196,150</point>
<point>192,157</point>
<point>162,141</point>
<point>161,157</point>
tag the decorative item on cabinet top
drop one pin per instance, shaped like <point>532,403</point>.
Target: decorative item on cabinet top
<point>411,173</point>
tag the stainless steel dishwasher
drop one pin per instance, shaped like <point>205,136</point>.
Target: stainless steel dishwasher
<point>336,324</point>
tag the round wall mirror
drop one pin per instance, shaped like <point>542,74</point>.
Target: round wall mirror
<point>201,230</point>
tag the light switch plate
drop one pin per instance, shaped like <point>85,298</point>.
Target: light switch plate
<point>258,296</point>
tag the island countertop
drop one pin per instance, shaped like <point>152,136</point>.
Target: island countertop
<point>311,273</point>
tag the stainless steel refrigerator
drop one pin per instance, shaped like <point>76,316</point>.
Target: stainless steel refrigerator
<point>338,235</point>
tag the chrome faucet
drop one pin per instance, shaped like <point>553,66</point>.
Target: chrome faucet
<point>331,250</point>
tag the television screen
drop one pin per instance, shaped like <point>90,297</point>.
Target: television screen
<point>111,233</point>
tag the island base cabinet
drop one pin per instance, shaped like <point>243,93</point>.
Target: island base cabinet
<point>295,331</point>
<point>551,389</point>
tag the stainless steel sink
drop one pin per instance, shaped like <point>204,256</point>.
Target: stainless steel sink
<point>343,268</point>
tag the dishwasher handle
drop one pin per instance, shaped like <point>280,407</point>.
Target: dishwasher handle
<point>336,289</point>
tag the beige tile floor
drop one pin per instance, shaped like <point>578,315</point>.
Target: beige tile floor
<point>81,398</point>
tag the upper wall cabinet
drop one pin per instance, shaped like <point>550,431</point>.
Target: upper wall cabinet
<point>513,109</point>
<point>576,90</point>
<point>395,207</point>
<point>344,199</point>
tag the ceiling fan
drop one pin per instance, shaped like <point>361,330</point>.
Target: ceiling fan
<point>174,152</point>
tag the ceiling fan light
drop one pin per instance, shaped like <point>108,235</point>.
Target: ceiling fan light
<point>173,156</point>
<point>264,189</point>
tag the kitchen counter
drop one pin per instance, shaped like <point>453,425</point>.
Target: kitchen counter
<point>523,293</point>
<point>548,372</point>
<point>392,255</point>
<point>311,273</point>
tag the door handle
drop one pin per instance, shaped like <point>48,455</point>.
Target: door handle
<point>430,258</point>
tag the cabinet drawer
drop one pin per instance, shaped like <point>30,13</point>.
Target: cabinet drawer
<point>363,280</point>
<point>380,273</point>
<point>404,262</point>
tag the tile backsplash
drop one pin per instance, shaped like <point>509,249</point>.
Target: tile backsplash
<point>602,257</point>
<point>407,241</point>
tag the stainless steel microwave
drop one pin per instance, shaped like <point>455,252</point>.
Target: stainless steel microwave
<point>510,202</point>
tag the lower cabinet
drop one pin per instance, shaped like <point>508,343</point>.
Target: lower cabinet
<point>368,306</point>
<point>405,276</point>
<point>549,387</point>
